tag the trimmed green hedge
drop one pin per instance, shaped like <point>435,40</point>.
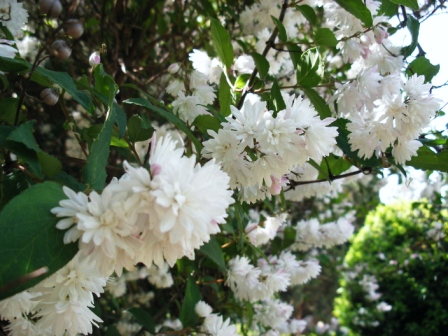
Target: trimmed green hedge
<point>410,268</point>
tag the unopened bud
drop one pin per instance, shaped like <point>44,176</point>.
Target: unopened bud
<point>60,49</point>
<point>49,96</point>
<point>95,59</point>
<point>173,68</point>
<point>52,8</point>
<point>74,28</point>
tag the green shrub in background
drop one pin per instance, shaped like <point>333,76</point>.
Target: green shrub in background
<point>396,281</point>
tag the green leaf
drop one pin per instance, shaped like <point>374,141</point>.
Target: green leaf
<point>224,95</point>
<point>423,67</point>
<point>322,169</point>
<point>192,296</point>
<point>168,116</point>
<point>325,37</point>
<point>214,252</point>
<point>116,142</point>
<point>414,28</point>
<point>13,65</point>
<point>30,240</point>
<point>24,134</point>
<point>310,70</point>
<point>281,29</point>
<point>241,81</point>
<point>221,41</point>
<point>261,63</point>
<point>206,122</point>
<point>427,159</point>
<point>412,4</point>
<point>121,118</point>
<point>66,82</point>
<point>277,98</point>
<point>295,52</point>
<point>105,85</point>
<point>309,13</point>
<point>144,318</point>
<point>11,185</point>
<point>137,131</point>
<point>358,9</point>
<point>49,164</point>
<point>9,109</point>
<point>318,102</point>
<point>336,164</point>
<point>95,170</point>
<point>388,8</point>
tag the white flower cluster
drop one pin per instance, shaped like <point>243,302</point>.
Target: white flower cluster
<point>273,275</point>
<point>260,232</point>
<point>213,324</point>
<point>192,95</point>
<point>275,314</point>
<point>257,147</point>
<point>310,233</point>
<point>59,305</point>
<point>383,110</point>
<point>147,216</point>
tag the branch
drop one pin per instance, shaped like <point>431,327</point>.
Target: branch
<point>269,45</point>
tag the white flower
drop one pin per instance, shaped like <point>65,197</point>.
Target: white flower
<point>404,150</point>
<point>203,309</point>
<point>383,307</point>
<point>215,326</point>
<point>6,49</point>
<point>175,87</point>
<point>14,306</point>
<point>188,107</point>
<point>261,233</point>
<point>272,313</point>
<point>160,276</point>
<point>244,64</point>
<point>13,16</point>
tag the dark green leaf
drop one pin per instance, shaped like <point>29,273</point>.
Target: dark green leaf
<point>121,119</point>
<point>214,252</point>
<point>13,65</point>
<point>295,52</point>
<point>358,9</point>
<point>277,98</point>
<point>66,82</point>
<point>261,63</point>
<point>281,29</point>
<point>69,181</point>
<point>308,12</point>
<point>24,135</point>
<point>412,4</point>
<point>325,37</point>
<point>206,122</point>
<point>426,159</point>
<point>423,67</point>
<point>49,164</point>
<point>192,296</point>
<point>11,185</point>
<point>168,116</point>
<point>95,170</point>
<point>414,28</point>
<point>221,41</point>
<point>116,142</point>
<point>30,240</point>
<point>144,318</point>
<point>9,109</point>
<point>322,169</point>
<point>310,70</point>
<point>224,96</point>
<point>137,131</point>
<point>112,331</point>
<point>318,102</point>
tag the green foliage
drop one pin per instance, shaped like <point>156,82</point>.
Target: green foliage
<point>325,37</point>
<point>411,270</point>
<point>358,9</point>
<point>281,29</point>
<point>221,42</point>
<point>310,70</point>
<point>192,296</point>
<point>30,240</point>
<point>423,67</point>
<point>412,4</point>
<point>414,28</point>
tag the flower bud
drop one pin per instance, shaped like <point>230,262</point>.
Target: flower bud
<point>60,49</point>
<point>173,68</point>
<point>52,8</point>
<point>95,59</point>
<point>49,96</point>
<point>74,28</point>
